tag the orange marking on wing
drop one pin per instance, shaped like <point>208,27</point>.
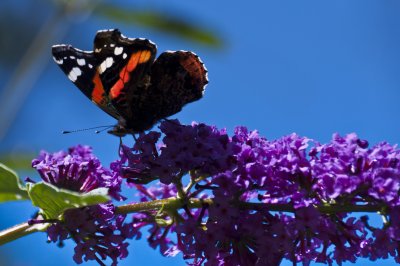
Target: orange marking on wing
<point>98,91</point>
<point>119,85</point>
<point>116,89</point>
<point>124,75</point>
<point>144,56</point>
<point>135,59</point>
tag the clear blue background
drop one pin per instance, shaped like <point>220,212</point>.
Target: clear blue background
<point>310,67</point>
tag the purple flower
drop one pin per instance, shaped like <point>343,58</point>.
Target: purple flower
<point>77,170</point>
<point>99,233</point>
<point>270,200</point>
<point>196,147</point>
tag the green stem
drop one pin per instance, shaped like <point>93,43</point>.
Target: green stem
<point>179,186</point>
<point>18,231</point>
<point>173,204</point>
<point>169,203</point>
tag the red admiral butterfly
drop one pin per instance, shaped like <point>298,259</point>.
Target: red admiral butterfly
<point>122,77</point>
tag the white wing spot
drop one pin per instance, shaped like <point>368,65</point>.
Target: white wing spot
<point>90,66</point>
<point>109,62</point>
<point>77,70</point>
<point>124,55</point>
<point>102,67</point>
<point>74,74</point>
<point>72,57</point>
<point>97,50</point>
<point>118,50</point>
<point>58,61</point>
<point>81,62</point>
<point>105,64</point>
<point>112,45</point>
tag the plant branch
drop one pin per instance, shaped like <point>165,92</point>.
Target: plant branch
<point>18,231</point>
<point>172,204</point>
<point>175,203</point>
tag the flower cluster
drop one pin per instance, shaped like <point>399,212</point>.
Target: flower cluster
<point>97,231</point>
<point>77,170</point>
<point>198,148</point>
<point>239,200</point>
<point>251,201</point>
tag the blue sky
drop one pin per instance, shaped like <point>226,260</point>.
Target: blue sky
<point>310,67</point>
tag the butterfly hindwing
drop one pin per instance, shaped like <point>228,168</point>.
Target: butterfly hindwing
<point>177,78</point>
<point>81,69</point>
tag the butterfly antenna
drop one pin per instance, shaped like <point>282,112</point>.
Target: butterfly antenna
<point>86,129</point>
<point>105,128</point>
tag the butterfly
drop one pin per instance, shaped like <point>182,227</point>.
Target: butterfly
<point>123,77</point>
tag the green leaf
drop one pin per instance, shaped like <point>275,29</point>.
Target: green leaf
<point>10,185</point>
<point>54,201</point>
<point>160,22</point>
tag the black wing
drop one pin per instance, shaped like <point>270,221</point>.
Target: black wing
<point>123,66</point>
<point>81,68</point>
<point>177,78</point>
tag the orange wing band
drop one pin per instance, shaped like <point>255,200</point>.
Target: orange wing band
<point>139,57</point>
<point>98,91</point>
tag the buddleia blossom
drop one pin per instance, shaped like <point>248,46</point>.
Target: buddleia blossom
<point>77,170</point>
<point>97,231</point>
<point>246,200</point>
<point>198,148</point>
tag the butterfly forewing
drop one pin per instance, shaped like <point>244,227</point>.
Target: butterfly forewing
<point>121,58</point>
<point>124,66</point>
<point>81,69</point>
<point>79,66</point>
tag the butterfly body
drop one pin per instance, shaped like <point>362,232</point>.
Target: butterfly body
<point>123,78</point>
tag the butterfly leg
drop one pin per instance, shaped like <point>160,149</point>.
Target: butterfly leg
<point>120,145</point>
